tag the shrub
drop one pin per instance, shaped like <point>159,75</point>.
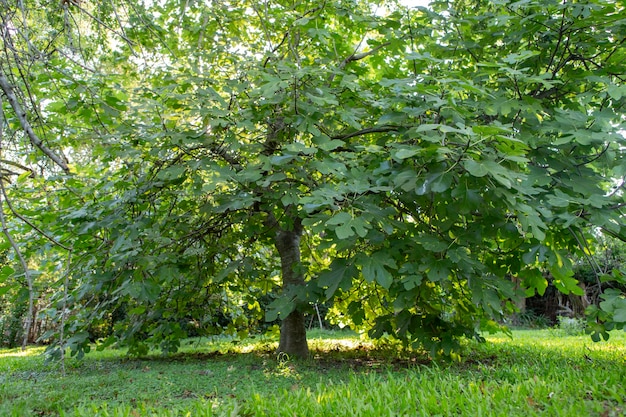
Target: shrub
<point>531,319</point>
<point>571,325</point>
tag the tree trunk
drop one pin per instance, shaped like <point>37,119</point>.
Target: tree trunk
<point>293,336</point>
<point>293,329</point>
<point>520,302</point>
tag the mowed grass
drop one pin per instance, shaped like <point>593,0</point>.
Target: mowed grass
<point>537,373</point>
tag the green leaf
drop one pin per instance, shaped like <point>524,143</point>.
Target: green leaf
<point>5,272</point>
<point>440,182</point>
<point>438,272</point>
<point>322,100</point>
<point>491,130</point>
<point>616,92</point>
<point>344,231</point>
<point>340,218</point>
<point>559,199</point>
<point>530,220</point>
<point>567,285</point>
<point>331,145</point>
<point>405,153</point>
<point>533,280</point>
<point>5,289</point>
<point>339,275</point>
<point>432,244</point>
<point>280,307</point>
<point>171,173</point>
<point>406,180</point>
<point>518,57</point>
<point>474,168</point>
<point>613,302</point>
<point>280,160</point>
<point>619,314</point>
<point>347,226</point>
<point>374,268</point>
<point>426,127</point>
<point>137,310</point>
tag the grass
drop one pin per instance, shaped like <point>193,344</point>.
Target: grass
<point>538,372</point>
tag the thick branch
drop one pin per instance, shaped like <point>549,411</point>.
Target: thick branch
<point>15,164</point>
<point>616,235</point>
<point>220,149</point>
<point>358,57</point>
<point>377,129</point>
<point>233,161</point>
<point>21,115</point>
<point>273,138</point>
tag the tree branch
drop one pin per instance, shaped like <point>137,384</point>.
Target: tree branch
<point>100,22</point>
<point>616,235</point>
<point>28,222</point>
<point>29,279</point>
<point>377,129</point>
<point>223,153</point>
<point>15,164</point>
<point>358,57</point>
<point>28,129</point>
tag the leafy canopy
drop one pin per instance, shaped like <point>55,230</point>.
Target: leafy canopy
<point>439,160</point>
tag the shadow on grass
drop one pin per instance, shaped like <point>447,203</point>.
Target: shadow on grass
<point>331,350</point>
<point>219,370</point>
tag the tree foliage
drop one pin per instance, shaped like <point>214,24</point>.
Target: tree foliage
<point>417,168</point>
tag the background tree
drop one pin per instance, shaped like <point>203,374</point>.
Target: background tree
<point>404,165</point>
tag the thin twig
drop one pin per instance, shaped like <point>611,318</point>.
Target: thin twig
<point>12,163</point>
<point>584,246</point>
<point>28,222</point>
<point>100,22</point>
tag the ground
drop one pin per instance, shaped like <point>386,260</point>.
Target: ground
<point>539,372</point>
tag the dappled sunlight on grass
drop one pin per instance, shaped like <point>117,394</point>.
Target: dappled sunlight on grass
<point>18,352</point>
<point>530,374</point>
<point>344,344</point>
<point>553,338</point>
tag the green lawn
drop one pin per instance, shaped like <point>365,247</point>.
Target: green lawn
<point>541,372</point>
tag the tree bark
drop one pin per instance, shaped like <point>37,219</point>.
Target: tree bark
<point>293,329</point>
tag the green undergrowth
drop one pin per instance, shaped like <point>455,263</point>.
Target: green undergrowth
<point>537,372</point>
